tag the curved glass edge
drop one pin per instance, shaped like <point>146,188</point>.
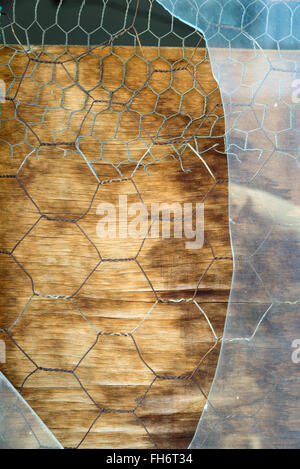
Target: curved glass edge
<point>254,52</point>
<point>20,427</point>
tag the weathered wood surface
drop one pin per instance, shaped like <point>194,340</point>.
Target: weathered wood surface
<point>175,338</point>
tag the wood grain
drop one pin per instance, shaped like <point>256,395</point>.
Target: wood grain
<point>101,323</point>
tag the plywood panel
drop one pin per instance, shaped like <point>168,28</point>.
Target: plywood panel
<point>96,326</point>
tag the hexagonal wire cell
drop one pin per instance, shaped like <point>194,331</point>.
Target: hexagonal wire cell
<point>129,327</point>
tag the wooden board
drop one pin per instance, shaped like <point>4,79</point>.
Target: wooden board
<point>116,324</point>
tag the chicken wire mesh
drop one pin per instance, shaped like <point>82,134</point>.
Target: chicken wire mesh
<point>70,131</point>
<point>254,55</point>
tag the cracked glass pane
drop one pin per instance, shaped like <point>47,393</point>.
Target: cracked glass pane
<point>20,427</point>
<point>255,56</point>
